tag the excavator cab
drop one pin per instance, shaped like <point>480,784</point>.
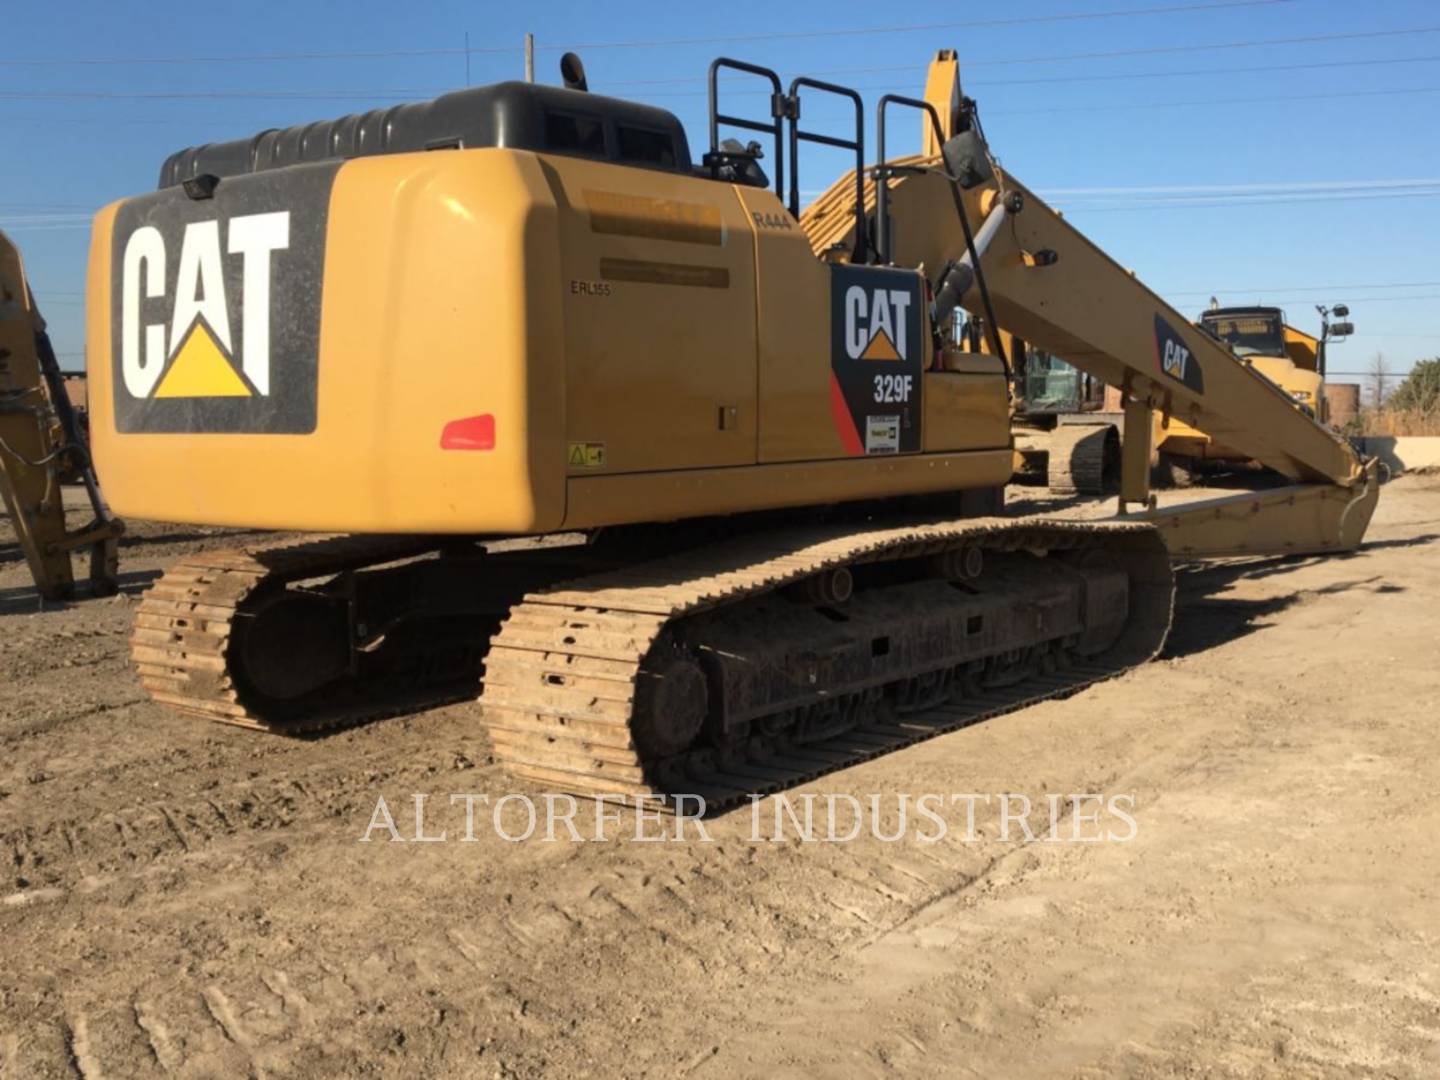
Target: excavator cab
<point>1261,337</point>
<point>1258,331</point>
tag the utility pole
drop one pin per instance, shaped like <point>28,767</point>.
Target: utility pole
<point>529,57</point>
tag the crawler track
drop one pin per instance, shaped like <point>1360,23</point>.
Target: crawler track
<point>568,669</point>
<point>581,676</point>
<point>187,623</point>
<point>1081,459</point>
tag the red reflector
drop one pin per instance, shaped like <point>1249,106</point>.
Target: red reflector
<point>472,433</point>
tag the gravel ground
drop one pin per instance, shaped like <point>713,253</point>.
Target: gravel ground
<point>184,899</point>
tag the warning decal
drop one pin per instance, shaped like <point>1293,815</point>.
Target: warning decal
<point>875,359</point>
<point>586,455</point>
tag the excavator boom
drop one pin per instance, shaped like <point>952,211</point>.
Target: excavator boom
<point>38,430</point>
<point>1028,269</point>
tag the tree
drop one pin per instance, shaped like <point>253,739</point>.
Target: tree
<point>1420,390</point>
<point>1379,374</point>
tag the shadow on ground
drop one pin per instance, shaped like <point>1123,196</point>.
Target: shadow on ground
<point>24,600</point>
<point>1206,618</point>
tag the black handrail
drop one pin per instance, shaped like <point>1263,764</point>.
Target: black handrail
<point>862,239</point>
<point>778,109</point>
<point>883,172</point>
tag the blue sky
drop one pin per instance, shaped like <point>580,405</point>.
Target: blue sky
<point>1203,146</point>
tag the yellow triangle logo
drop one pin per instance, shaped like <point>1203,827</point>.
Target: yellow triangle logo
<point>201,369</point>
<point>880,348</point>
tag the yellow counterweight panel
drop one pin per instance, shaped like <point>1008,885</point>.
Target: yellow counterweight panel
<point>433,267</point>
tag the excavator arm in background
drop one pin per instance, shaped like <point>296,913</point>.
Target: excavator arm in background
<point>1057,289</point>
<point>39,435</point>
<point>989,244</point>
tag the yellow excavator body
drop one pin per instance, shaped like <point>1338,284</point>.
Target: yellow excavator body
<point>776,482</point>
<point>629,345</point>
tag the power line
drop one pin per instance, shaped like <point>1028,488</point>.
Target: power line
<point>1312,288</point>
<point>974,24</point>
<point>108,121</point>
<point>653,43</point>
<point>1392,299</point>
<point>7,206</point>
<point>372,94</point>
<point>1327,299</point>
<point>1249,43</point>
<point>1202,204</point>
<point>1121,77</point>
<point>1205,102</point>
<point>1206,71</point>
<point>1219,101</point>
<point>1262,186</point>
<point>1112,54</point>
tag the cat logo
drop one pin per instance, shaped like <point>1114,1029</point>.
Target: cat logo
<point>200,359</point>
<point>877,350</point>
<point>1174,358</point>
<point>215,305</point>
<point>876,322</point>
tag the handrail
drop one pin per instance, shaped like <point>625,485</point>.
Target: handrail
<point>779,105</point>
<point>882,171</point>
<point>861,252</point>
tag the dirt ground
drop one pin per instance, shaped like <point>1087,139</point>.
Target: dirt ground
<point>191,900</point>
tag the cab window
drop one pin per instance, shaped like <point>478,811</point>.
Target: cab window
<point>575,133</point>
<point>649,147</point>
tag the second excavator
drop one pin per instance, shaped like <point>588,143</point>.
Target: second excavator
<point>689,486</point>
<point>42,445</point>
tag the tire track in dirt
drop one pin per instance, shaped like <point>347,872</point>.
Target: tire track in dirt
<point>198,874</point>
<point>267,806</point>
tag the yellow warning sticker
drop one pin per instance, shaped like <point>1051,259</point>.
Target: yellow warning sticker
<point>586,455</point>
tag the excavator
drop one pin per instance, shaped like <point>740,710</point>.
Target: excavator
<point>691,490</point>
<point>1066,423</point>
<point>42,445</point>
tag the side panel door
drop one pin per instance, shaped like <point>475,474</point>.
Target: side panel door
<point>658,302</point>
